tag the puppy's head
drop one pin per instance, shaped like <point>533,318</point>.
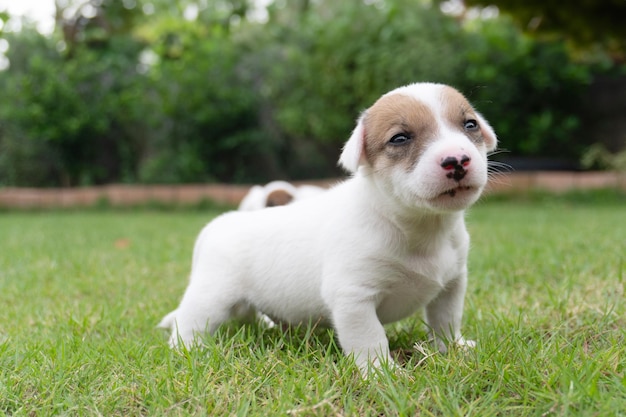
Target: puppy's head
<point>425,144</point>
<point>279,193</point>
<point>278,198</point>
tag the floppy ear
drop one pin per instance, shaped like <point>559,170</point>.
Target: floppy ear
<point>353,153</point>
<point>491,140</point>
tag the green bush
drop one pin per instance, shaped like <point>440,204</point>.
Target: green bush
<point>81,111</point>
<point>227,99</point>
<point>24,159</point>
<point>530,90</point>
<point>208,127</point>
<point>341,56</point>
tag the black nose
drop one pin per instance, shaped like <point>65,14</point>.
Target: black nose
<point>456,167</point>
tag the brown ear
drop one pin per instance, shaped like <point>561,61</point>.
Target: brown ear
<point>278,198</point>
<point>353,153</point>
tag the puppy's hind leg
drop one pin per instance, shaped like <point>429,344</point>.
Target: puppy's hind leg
<point>199,313</point>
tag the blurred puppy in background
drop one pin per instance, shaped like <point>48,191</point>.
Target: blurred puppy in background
<point>276,193</point>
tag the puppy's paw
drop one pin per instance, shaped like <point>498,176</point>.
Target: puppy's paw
<point>372,363</point>
<point>439,344</point>
<point>182,343</point>
<point>168,322</point>
<point>461,342</point>
<point>265,320</point>
<point>465,344</point>
<point>373,369</point>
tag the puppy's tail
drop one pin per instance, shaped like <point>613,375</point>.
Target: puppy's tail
<point>168,322</point>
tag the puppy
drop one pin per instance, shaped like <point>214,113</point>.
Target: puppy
<point>276,193</point>
<point>372,250</point>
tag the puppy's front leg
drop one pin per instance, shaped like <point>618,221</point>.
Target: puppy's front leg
<point>445,312</point>
<point>361,334</point>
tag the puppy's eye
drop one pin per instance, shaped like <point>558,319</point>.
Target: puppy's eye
<point>399,139</point>
<point>471,125</point>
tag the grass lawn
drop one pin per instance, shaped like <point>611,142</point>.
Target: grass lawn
<point>81,292</point>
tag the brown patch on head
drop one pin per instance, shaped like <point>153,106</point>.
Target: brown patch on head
<point>278,198</point>
<point>397,114</point>
<point>458,111</point>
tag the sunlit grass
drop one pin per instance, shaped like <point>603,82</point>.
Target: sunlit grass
<point>81,292</point>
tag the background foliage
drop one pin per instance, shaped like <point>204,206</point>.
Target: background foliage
<point>580,22</point>
<point>190,91</point>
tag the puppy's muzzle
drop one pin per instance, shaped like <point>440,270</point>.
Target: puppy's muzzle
<point>456,167</point>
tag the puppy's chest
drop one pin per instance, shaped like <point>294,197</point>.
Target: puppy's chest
<point>415,281</point>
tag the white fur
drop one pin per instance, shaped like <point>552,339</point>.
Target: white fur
<point>372,250</point>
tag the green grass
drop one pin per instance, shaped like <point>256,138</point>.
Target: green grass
<point>81,292</point>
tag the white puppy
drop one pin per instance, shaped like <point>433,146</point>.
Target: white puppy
<point>276,193</point>
<point>372,250</point>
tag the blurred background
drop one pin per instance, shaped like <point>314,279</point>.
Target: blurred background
<point>247,91</point>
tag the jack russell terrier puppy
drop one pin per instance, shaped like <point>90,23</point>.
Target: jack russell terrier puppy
<point>372,250</point>
<point>276,193</point>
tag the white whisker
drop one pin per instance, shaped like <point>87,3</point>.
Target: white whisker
<point>497,152</point>
<point>497,167</point>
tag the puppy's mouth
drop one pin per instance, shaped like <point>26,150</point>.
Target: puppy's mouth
<point>452,192</point>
